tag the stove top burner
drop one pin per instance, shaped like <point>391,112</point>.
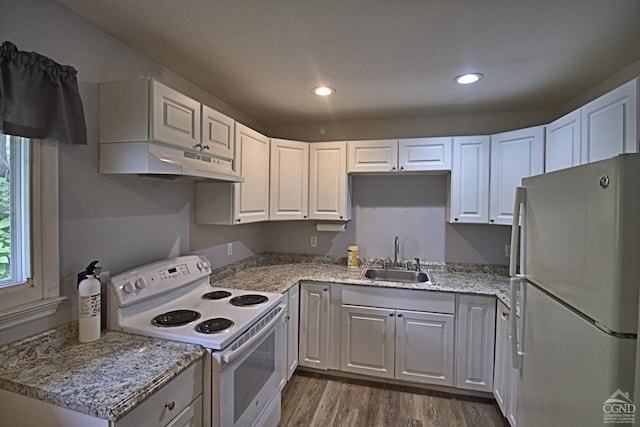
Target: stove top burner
<point>216,295</point>
<point>211,326</point>
<point>175,318</point>
<point>248,299</point>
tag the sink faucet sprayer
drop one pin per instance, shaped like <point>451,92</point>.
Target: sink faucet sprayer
<point>396,250</point>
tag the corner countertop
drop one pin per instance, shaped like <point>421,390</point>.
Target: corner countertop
<point>105,378</point>
<point>478,280</point>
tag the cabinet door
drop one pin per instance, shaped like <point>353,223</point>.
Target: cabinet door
<point>368,340</point>
<point>176,117</point>
<point>372,156</point>
<point>251,198</point>
<point>610,124</point>
<point>425,154</point>
<point>475,342</point>
<point>218,133</point>
<point>469,192</point>
<point>289,184</point>
<point>329,197</point>
<point>293,319</point>
<point>562,143</point>
<point>424,347</point>
<point>314,325</point>
<point>514,155</point>
<point>502,358</point>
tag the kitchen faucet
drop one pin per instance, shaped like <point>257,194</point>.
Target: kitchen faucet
<point>396,250</point>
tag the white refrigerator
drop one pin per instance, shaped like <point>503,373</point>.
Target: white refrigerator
<point>576,238</point>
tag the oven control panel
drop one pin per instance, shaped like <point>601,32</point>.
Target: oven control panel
<point>158,278</point>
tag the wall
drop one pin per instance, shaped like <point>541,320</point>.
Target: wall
<point>411,207</point>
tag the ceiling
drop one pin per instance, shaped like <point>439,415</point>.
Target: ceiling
<point>386,59</point>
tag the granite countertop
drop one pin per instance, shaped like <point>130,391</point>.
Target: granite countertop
<point>106,378</point>
<point>477,280</point>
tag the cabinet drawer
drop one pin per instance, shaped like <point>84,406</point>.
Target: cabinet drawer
<point>401,299</point>
<point>177,395</point>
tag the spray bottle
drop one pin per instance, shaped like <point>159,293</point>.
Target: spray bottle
<point>89,303</point>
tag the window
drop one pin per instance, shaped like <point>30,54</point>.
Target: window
<point>15,243</point>
<point>29,270</point>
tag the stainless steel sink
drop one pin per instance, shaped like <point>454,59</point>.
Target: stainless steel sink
<point>397,275</point>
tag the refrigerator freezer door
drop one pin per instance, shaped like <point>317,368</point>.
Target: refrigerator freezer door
<point>582,240</point>
<point>570,367</point>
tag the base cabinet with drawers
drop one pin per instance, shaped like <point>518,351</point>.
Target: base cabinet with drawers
<point>177,404</point>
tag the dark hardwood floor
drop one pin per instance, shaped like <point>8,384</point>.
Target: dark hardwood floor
<point>313,399</point>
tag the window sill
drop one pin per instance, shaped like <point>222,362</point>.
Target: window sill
<point>29,312</point>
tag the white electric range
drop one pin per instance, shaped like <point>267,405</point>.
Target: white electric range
<point>242,331</point>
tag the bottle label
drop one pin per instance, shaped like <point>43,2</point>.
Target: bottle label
<point>90,306</point>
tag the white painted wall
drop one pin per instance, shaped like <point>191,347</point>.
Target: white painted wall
<point>411,207</point>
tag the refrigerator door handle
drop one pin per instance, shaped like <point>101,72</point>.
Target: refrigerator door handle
<point>517,340</point>
<point>515,232</point>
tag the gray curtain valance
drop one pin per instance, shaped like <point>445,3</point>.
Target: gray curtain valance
<point>39,98</point>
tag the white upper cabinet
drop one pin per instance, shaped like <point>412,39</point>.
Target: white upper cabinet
<point>562,142</point>
<point>225,203</point>
<point>610,124</point>
<point>289,198</point>
<point>252,163</point>
<point>373,156</point>
<point>329,189</point>
<point>425,154</point>
<point>514,155</point>
<point>176,117</point>
<point>218,133</point>
<point>404,155</point>
<point>146,110</point>
<point>469,181</point>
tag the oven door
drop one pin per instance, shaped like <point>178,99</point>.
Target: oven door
<point>246,379</point>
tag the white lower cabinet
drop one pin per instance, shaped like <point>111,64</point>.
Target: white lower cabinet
<point>505,377</point>
<point>315,299</point>
<point>475,342</point>
<point>387,337</point>
<point>401,344</point>
<point>177,404</point>
<point>291,328</point>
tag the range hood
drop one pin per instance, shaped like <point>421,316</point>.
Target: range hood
<point>156,160</point>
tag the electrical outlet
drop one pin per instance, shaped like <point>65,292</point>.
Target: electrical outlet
<point>230,248</point>
<point>313,241</point>
<point>507,251</point>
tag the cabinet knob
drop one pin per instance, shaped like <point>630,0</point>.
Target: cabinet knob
<point>325,289</point>
<point>455,219</point>
<point>393,168</point>
<point>401,168</point>
<point>390,314</point>
<point>304,216</point>
<point>340,216</point>
<point>238,220</point>
<point>170,405</point>
<point>492,220</point>
<point>399,314</point>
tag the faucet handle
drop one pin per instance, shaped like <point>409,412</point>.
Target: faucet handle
<point>417,264</point>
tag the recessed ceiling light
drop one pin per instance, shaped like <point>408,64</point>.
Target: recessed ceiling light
<point>323,90</point>
<point>468,78</point>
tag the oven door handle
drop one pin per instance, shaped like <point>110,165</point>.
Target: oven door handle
<point>234,354</point>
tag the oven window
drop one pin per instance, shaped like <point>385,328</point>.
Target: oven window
<point>251,376</point>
